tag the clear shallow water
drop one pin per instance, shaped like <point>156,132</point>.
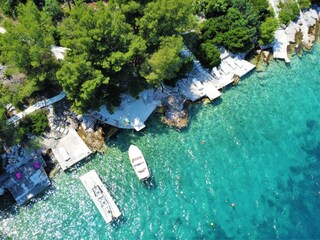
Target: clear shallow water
<point>262,152</point>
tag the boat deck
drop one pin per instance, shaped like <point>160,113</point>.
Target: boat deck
<point>138,163</point>
<point>100,196</point>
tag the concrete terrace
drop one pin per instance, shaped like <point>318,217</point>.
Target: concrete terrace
<point>132,113</point>
<point>280,45</point>
<point>70,150</point>
<point>200,83</point>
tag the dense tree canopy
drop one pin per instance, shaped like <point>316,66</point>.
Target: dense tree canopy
<point>8,133</point>
<point>289,11</point>
<point>102,48</point>
<point>209,54</point>
<point>117,43</point>
<point>35,123</point>
<point>304,4</point>
<point>216,8</point>
<point>165,18</point>
<point>9,7</point>
<point>26,47</point>
<point>54,10</point>
<point>166,62</point>
<point>267,29</point>
<point>114,43</point>
<point>237,27</point>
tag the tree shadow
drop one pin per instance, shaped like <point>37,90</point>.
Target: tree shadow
<point>9,207</point>
<point>7,202</point>
<point>153,126</point>
<point>81,163</point>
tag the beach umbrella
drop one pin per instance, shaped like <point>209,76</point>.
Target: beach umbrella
<point>18,175</point>
<point>36,165</point>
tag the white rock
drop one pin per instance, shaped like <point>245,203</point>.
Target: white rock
<point>59,52</point>
<point>280,45</point>
<point>309,19</point>
<point>79,118</point>
<point>10,107</point>
<point>291,31</point>
<point>314,14</point>
<point>2,30</point>
<point>266,54</point>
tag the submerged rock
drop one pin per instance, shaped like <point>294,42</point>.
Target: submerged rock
<point>311,123</point>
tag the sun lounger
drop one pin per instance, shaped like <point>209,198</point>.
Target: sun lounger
<point>197,83</point>
<point>216,72</point>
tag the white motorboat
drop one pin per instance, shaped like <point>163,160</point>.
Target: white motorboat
<point>138,163</point>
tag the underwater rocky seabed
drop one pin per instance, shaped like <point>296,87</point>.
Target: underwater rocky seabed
<point>261,152</point>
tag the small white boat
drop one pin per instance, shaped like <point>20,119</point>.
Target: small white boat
<point>138,163</point>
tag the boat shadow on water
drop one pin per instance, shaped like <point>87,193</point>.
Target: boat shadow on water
<point>116,223</point>
<point>150,183</point>
<point>9,207</point>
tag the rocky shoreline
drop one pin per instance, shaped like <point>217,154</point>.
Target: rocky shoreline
<point>175,107</point>
<point>302,31</point>
<point>295,38</point>
<point>298,36</point>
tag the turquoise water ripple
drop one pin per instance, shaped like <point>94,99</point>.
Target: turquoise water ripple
<point>261,152</point>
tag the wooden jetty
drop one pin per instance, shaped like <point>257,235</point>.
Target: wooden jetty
<point>70,150</point>
<point>100,196</point>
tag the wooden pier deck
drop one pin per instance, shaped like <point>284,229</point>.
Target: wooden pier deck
<point>100,196</point>
<point>70,150</point>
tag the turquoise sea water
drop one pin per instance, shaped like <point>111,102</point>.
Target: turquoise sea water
<point>261,152</point>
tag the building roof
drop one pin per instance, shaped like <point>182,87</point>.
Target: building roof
<point>25,176</point>
<point>70,150</point>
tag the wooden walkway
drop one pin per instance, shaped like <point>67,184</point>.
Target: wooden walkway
<point>36,106</point>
